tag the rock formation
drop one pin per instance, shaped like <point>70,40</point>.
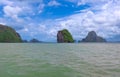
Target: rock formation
<point>8,34</point>
<point>34,41</point>
<point>92,37</point>
<point>64,36</point>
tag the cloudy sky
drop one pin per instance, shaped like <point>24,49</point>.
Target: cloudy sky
<point>41,19</point>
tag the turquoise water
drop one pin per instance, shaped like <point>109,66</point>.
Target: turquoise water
<point>59,60</point>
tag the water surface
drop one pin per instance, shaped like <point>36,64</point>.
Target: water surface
<point>59,60</point>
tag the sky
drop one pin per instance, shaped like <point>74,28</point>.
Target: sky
<point>42,19</point>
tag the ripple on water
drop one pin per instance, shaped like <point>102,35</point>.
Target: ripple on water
<point>60,60</point>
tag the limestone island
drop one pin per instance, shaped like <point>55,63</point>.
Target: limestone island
<point>93,37</point>
<point>9,35</point>
<point>64,36</point>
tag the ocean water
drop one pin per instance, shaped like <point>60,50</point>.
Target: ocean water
<point>59,60</point>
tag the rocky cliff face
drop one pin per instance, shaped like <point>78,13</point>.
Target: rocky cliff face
<point>92,37</point>
<point>64,36</point>
<point>7,34</point>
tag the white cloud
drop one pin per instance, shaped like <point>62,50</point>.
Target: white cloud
<point>2,23</point>
<point>103,16</point>
<point>53,3</point>
<point>41,8</point>
<point>6,2</point>
<point>92,2</point>
<point>104,19</point>
<point>12,12</point>
<point>105,22</point>
<point>9,10</point>
<point>16,8</point>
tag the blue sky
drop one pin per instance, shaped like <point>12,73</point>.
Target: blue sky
<point>41,19</point>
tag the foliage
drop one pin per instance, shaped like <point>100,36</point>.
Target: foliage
<point>7,34</point>
<point>67,36</point>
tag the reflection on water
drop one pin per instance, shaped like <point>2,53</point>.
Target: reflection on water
<point>60,60</point>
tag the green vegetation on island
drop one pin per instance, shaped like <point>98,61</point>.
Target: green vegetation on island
<point>8,34</point>
<point>64,36</point>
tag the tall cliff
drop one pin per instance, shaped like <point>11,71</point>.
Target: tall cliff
<point>64,36</point>
<point>8,34</point>
<point>92,37</point>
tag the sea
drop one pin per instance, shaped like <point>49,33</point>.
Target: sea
<point>59,59</point>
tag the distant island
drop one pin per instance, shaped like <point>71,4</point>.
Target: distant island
<point>8,34</point>
<point>93,37</point>
<point>35,41</point>
<point>64,36</point>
